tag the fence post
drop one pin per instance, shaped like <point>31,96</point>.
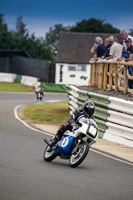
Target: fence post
<point>105,76</point>
<point>91,74</point>
<point>110,76</point>
<point>101,76</point>
<point>125,79</point>
<point>116,78</point>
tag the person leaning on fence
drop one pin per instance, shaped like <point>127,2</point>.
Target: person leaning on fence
<point>115,49</point>
<point>93,50</point>
<point>100,49</point>
<point>115,52</point>
<point>124,35</point>
<point>128,56</point>
<point>106,54</point>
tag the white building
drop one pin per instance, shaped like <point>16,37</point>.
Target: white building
<point>73,55</point>
<point>76,74</point>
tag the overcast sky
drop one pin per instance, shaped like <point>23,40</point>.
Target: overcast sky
<point>40,15</point>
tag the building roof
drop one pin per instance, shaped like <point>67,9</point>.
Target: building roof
<point>75,47</point>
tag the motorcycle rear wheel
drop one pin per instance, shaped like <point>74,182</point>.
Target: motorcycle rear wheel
<point>49,156</point>
<point>78,157</point>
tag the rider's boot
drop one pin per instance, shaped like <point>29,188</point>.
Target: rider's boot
<point>54,140</point>
<point>51,143</point>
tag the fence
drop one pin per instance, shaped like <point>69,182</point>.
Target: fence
<point>20,65</point>
<point>109,74</point>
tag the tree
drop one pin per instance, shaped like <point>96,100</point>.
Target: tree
<point>52,37</point>
<point>131,32</point>
<point>93,25</point>
<point>3,26</point>
<point>20,26</point>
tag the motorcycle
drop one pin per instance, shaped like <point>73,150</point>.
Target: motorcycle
<point>39,96</point>
<point>75,144</point>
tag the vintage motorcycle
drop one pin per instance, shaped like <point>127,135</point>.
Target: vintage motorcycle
<point>74,145</point>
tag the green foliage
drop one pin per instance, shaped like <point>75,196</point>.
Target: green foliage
<point>3,26</point>
<point>36,47</point>
<point>93,25</point>
<point>52,37</point>
<point>131,32</point>
<point>20,26</point>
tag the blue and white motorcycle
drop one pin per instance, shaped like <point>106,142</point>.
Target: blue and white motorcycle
<point>74,145</point>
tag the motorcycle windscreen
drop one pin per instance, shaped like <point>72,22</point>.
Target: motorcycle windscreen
<point>64,146</point>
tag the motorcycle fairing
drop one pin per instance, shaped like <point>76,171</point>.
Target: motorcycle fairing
<point>64,146</point>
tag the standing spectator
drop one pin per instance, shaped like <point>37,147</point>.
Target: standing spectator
<point>128,56</point>
<point>93,50</point>
<point>129,44</point>
<point>107,48</point>
<point>115,49</point>
<point>124,35</point>
<point>100,49</point>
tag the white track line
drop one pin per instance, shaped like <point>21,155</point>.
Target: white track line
<point>112,157</point>
<point>17,117</point>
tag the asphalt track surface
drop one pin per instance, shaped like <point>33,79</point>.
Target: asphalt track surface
<point>25,176</point>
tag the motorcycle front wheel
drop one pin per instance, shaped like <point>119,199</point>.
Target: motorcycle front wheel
<point>49,156</point>
<point>78,157</point>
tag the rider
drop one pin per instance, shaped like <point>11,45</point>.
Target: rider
<point>39,90</point>
<point>87,111</point>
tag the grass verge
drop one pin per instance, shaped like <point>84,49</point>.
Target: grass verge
<point>46,113</point>
<point>15,87</point>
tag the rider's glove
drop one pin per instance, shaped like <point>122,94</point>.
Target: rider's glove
<point>76,113</point>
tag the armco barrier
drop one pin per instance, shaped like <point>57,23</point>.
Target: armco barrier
<point>114,116</point>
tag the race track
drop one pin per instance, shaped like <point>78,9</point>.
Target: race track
<point>25,176</point>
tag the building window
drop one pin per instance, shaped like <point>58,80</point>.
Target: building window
<point>81,67</point>
<point>71,68</point>
<point>77,68</point>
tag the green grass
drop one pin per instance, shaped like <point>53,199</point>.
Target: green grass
<point>15,87</point>
<point>55,112</point>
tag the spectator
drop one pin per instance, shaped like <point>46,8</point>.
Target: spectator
<point>107,48</point>
<point>98,49</point>
<point>93,50</point>
<point>115,49</point>
<point>128,56</point>
<point>124,35</point>
<point>129,44</point>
